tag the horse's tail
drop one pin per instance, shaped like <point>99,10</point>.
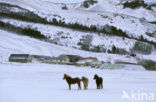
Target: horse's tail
<point>102,83</point>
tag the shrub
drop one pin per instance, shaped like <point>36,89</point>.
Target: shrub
<point>109,51</point>
<point>148,64</point>
<point>24,31</point>
<point>114,49</point>
<point>32,33</point>
<point>119,51</point>
<point>133,55</point>
<point>142,48</point>
<point>114,31</point>
<point>87,3</point>
<point>86,42</point>
<point>64,7</point>
<point>98,48</point>
<point>1,24</point>
<point>135,4</point>
<point>25,15</point>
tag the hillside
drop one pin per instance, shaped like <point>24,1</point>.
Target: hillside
<point>108,28</point>
<point>116,37</point>
<point>105,27</point>
<point>14,43</point>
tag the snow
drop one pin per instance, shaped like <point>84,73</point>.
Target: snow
<point>99,15</point>
<point>44,83</point>
<point>128,20</point>
<point>64,1</point>
<point>71,38</point>
<point>38,82</point>
<point>35,82</point>
<point>11,43</point>
<point>76,1</point>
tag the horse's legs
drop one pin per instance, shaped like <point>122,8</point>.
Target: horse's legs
<point>69,86</point>
<point>101,86</point>
<point>84,85</point>
<point>98,85</point>
<point>79,86</point>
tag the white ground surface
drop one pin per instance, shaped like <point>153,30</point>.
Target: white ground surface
<point>44,83</point>
<point>37,82</point>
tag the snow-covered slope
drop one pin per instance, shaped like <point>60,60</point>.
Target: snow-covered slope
<point>13,43</point>
<point>98,15</point>
<point>129,21</point>
<point>70,38</point>
<point>38,82</point>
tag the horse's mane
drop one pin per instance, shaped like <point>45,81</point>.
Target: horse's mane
<point>96,76</point>
<point>67,76</point>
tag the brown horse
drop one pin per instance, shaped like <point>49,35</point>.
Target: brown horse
<point>85,82</point>
<point>71,80</point>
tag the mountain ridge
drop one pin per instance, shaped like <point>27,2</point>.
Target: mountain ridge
<point>102,22</point>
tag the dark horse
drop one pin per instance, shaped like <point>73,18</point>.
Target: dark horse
<point>71,80</point>
<point>99,81</point>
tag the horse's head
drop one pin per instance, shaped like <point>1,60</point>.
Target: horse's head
<point>65,76</point>
<point>83,78</point>
<point>95,76</point>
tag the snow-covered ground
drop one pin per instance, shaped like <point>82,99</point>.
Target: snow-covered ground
<point>13,43</point>
<point>38,82</point>
<point>44,83</point>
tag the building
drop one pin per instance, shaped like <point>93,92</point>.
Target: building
<point>89,61</point>
<point>42,58</point>
<point>68,58</point>
<point>23,58</point>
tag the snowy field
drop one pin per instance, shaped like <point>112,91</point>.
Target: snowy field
<point>35,82</point>
<point>38,82</point>
<point>44,83</point>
